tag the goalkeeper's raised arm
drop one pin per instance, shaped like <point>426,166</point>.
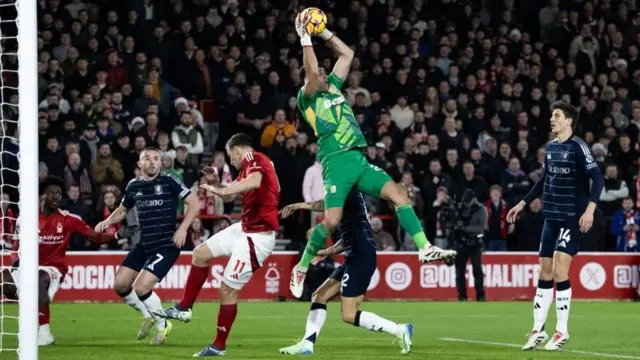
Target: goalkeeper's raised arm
<point>309,59</point>
<point>345,54</point>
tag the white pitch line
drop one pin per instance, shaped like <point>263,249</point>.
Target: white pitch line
<point>468,341</point>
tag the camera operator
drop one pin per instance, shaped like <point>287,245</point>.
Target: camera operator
<point>471,221</point>
<point>445,218</point>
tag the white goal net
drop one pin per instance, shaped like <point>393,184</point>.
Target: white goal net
<point>18,178</point>
<point>9,98</point>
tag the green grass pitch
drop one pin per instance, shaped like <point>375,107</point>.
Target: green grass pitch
<point>493,330</point>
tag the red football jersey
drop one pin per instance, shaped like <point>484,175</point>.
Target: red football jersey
<point>260,206</point>
<point>54,233</point>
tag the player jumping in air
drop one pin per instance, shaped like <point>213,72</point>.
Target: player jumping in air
<point>155,195</point>
<point>350,280</point>
<point>568,207</point>
<point>55,228</point>
<point>247,244</point>
<point>343,165</point>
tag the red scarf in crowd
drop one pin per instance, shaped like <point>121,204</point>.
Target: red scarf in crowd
<point>631,234</point>
<point>503,215</point>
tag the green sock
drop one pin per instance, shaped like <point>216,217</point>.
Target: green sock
<point>316,242</point>
<point>410,223</point>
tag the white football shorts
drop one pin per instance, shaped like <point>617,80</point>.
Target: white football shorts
<point>246,251</point>
<point>54,275</point>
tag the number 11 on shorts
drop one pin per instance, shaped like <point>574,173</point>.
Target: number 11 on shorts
<point>238,267</point>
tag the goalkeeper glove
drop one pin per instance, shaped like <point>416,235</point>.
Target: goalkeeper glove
<point>126,232</point>
<point>301,29</point>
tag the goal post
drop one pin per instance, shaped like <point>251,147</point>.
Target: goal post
<point>19,129</point>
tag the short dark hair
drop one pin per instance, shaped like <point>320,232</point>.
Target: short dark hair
<point>240,140</point>
<point>568,110</point>
<point>51,181</point>
<point>150,148</point>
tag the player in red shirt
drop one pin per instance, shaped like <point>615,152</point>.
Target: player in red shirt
<point>247,243</point>
<point>55,229</point>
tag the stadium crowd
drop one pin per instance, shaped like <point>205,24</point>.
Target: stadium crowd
<point>451,94</point>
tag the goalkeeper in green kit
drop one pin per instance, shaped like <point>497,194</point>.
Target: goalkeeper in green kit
<point>343,164</point>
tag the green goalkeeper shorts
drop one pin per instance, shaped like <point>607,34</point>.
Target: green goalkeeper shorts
<point>344,170</point>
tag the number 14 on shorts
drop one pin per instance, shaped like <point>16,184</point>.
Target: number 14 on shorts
<point>564,236</point>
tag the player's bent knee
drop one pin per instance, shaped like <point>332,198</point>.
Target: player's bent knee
<point>349,316</point>
<point>228,294</point>
<point>394,193</point>
<point>331,222</point>
<point>202,255</point>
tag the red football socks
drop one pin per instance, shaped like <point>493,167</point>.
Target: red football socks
<point>195,281</point>
<point>44,316</point>
<point>226,317</point>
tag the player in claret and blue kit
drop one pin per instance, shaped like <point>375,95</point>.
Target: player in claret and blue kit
<point>350,280</point>
<point>155,195</point>
<point>55,228</point>
<point>570,189</point>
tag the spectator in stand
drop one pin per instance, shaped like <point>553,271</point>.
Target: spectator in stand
<point>399,167</point>
<point>78,176</point>
<point>150,130</point>
<point>223,171</point>
<point>187,135</point>
<point>497,227</point>
<point>53,156</point>
<point>625,227</point>
<point>384,240</point>
<point>469,180</point>
<point>278,127</point>
<point>106,170</point>
<point>196,235</point>
<point>515,182</point>
<point>615,189</point>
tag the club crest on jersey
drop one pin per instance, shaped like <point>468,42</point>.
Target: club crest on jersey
<point>158,189</point>
<point>565,155</point>
<point>59,228</point>
<point>549,156</point>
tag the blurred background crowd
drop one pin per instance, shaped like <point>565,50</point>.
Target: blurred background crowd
<point>451,94</point>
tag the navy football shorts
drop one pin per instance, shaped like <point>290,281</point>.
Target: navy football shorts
<point>158,262</point>
<point>557,235</point>
<point>355,275</point>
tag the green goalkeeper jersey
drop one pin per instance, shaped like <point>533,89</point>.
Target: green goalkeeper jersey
<point>332,119</point>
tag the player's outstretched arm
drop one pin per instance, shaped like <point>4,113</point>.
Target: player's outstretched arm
<point>534,193</point>
<point>345,54</point>
<point>309,206</point>
<point>115,218</point>
<point>251,182</point>
<point>80,227</point>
